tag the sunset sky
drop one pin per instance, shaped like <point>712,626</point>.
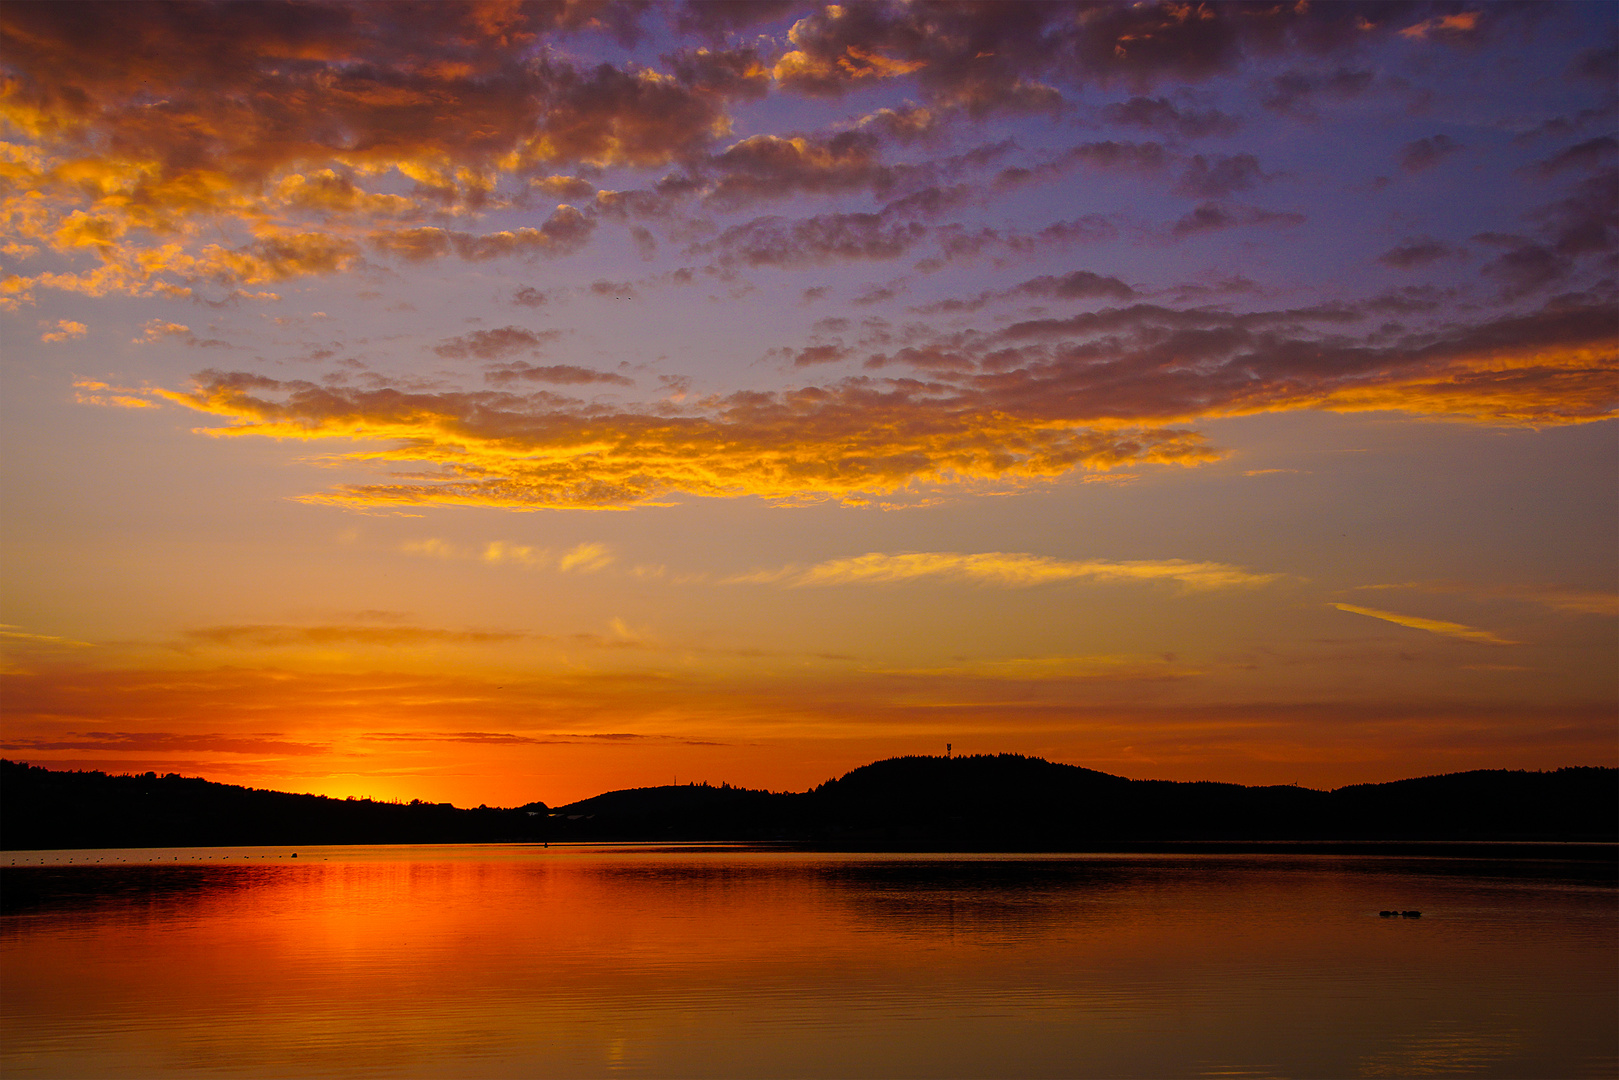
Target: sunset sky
<point>491,402</point>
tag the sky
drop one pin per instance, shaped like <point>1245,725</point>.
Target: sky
<point>495,402</point>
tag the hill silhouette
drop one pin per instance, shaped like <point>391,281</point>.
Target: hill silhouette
<point>1012,802</point>
<point>1004,802</point>
<point>41,808</point>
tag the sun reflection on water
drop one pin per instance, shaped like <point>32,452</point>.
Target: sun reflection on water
<point>717,961</point>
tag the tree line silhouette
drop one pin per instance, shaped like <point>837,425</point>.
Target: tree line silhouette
<point>1003,802</point>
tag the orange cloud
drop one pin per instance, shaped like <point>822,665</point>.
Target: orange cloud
<point>1011,569</point>
<point>1555,366</point>
<point>1460,23</point>
<point>1573,601</point>
<point>497,551</point>
<point>564,232</point>
<point>158,329</point>
<point>1035,400</point>
<point>94,392</point>
<point>1045,669</point>
<point>165,742</point>
<point>585,559</point>
<point>1432,626</point>
<point>277,636</point>
<point>582,558</point>
<point>11,635</point>
<point>1038,400</point>
<point>66,330</point>
<point>766,166</point>
<point>156,132</point>
<point>510,451</point>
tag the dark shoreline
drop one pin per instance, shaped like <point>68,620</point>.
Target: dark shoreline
<point>63,881</point>
<point>1511,851</point>
<point>986,803</point>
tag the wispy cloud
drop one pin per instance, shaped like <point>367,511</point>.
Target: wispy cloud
<point>1432,626</point>
<point>10,633</point>
<point>1024,669</point>
<point>64,330</point>
<point>585,558</point>
<point>498,551</point>
<point>269,635</point>
<point>500,738</point>
<point>1009,569</point>
<point>95,392</point>
<point>168,742</point>
<point>158,329</point>
<point>1557,598</point>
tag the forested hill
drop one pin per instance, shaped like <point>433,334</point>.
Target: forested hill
<point>40,808</point>
<point>984,802</point>
<point>1012,802</point>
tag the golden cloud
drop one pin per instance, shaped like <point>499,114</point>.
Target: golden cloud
<point>585,559</point>
<point>1011,569</point>
<point>582,558</point>
<point>158,329</point>
<point>94,392</point>
<point>1038,400</point>
<point>1559,365</point>
<point>497,551</point>
<point>1432,626</point>
<point>65,330</point>
<point>507,450</point>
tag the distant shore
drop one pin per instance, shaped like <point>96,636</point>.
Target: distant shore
<point>984,803</point>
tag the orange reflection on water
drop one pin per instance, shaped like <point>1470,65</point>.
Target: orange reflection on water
<point>583,961</point>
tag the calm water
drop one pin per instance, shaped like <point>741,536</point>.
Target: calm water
<point>580,961</point>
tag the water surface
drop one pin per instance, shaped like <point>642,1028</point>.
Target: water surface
<point>727,961</point>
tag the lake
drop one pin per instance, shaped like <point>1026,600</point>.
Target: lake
<point>513,960</point>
